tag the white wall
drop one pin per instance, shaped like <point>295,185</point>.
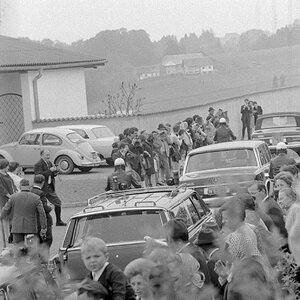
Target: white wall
<point>61,93</point>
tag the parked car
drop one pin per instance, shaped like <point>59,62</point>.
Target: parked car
<point>219,171</point>
<point>100,138</point>
<point>123,219</point>
<point>68,149</point>
<point>30,283</point>
<point>278,127</point>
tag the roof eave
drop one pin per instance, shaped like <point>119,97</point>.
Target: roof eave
<point>20,68</point>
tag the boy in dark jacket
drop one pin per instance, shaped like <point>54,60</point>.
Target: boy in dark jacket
<point>95,257</point>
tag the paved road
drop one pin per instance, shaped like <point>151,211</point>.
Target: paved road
<point>77,187</point>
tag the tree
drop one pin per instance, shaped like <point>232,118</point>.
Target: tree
<point>124,102</point>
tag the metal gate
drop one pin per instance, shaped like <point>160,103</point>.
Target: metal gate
<point>11,118</point>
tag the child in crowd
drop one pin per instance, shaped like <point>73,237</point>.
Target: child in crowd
<point>95,257</point>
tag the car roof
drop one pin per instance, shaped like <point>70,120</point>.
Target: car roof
<point>228,146</point>
<point>82,126</point>
<point>151,198</point>
<point>275,114</point>
<point>54,130</point>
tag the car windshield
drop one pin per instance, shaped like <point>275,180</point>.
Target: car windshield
<point>221,159</point>
<point>102,132</point>
<point>122,226</point>
<point>75,138</point>
<point>279,121</point>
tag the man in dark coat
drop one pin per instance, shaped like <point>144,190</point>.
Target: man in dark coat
<point>280,160</point>
<point>45,167</point>
<point>38,183</point>
<point>224,133</point>
<point>246,112</point>
<point>120,179</point>
<point>266,205</point>
<point>257,111</point>
<point>26,209</point>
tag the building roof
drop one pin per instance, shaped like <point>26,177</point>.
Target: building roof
<point>22,55</point>
<point>177,59</point>
<point>202,62</point>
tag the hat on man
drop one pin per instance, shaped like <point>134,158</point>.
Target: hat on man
<point>222,121</point>
<point>119,162</point>
<point>210,109</point>
<point>24,185</point>
<point>207,235</point>
<point>161,127</point>
<point>281,146</point>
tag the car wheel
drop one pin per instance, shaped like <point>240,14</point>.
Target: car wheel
<point>110,162</point>
<point>64,164</point>
<point>85,169</point>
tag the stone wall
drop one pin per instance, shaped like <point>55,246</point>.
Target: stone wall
<point>275,100</point>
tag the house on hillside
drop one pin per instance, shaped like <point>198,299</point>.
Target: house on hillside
<point>194,66</point>
<point>173,64</point>
<point>146,72</point>
<point>38,83</point>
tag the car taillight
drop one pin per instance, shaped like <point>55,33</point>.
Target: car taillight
<point>94,155</point>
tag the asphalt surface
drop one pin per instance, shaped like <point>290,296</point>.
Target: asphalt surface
<point>74,190</point>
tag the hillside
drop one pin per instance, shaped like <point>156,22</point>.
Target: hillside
<point>236,74</point>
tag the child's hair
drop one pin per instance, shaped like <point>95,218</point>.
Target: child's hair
<point>93,243</point>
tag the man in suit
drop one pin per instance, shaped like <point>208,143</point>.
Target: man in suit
<point>38,183</point>
<point>246,112</point>
<point>257,111</point>
<point>45,167</point>
<point>26,209</point>
<point>266,205</point>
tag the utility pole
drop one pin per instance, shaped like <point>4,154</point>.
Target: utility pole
<point>274,15</point>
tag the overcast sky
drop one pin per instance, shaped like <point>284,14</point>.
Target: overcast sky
<point>71,20</point>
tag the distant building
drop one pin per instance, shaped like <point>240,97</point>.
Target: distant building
<point>146,72</point>
<point>173,64</point>
<point>202,65</point>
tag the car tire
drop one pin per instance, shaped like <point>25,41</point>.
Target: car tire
<point>65,164</point>
<point>110,162</point>
<point>85,169</point>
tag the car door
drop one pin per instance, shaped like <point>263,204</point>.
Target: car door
<point>27,151</point>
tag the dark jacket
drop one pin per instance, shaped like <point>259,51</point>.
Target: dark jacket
<point>26,208</point>
<point>120,176</point>
<point>7,186</point>
<point>272,209</point>
<point>41,167</point>
<point>114,280</point>
<point>224,134</point>
<point>277,162</point>
<point>246,112</point>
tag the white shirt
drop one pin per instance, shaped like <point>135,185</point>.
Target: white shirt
<point>97,275</point>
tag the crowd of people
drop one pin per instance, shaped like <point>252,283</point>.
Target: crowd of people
<point>157,157</point>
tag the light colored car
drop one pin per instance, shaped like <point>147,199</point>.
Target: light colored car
<point>219,171</point>
<point>67,148</point>
<point>100,138</point>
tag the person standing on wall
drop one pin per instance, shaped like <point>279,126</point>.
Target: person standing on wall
<point>45,167</point>
<point>246,112</point>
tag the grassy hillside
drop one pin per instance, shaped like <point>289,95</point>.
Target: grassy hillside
<point>235,74</point>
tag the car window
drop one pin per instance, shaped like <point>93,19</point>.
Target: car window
<point>30,139</point>
<point>268,152</point>
<point>121,226</point>
<point>262,155</point>
<point>182,212</point>
<point>51,140</point>
<point>196,202</point>
<point>2,295</point>
<point>81,132</point>
<point>102,132</point>
<point>75,138</point>
<point>278,121</point>
<point>221,159</point>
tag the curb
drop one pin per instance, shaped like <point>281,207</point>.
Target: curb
<point>74,204</point>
